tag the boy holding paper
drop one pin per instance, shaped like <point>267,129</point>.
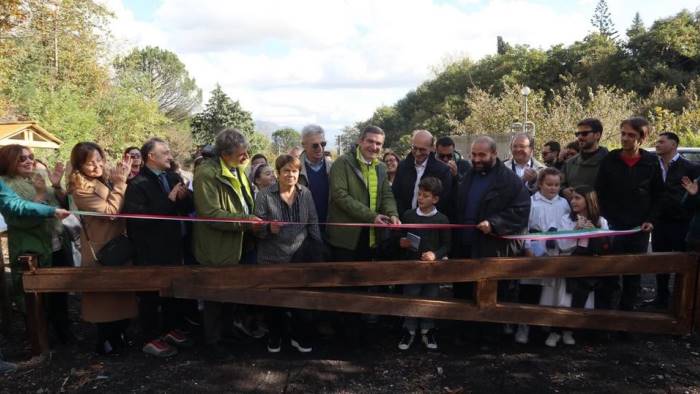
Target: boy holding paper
<point>428,245</point>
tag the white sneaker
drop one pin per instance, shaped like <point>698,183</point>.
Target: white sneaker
<point>521,336</point>
<point>508,329</point>
<point>568,338</point>
<point>552,339</point>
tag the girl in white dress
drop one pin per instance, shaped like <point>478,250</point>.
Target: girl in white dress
<point>577,292</point>
<point>546,211</point>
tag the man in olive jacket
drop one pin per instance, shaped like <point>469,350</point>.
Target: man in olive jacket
<point>221,190</point>
<point>360,193</point>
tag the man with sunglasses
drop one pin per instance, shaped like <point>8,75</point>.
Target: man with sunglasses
<point>446,153</point>
<point>420,163</point>
<point>582,169</point>
<point>315,167</point>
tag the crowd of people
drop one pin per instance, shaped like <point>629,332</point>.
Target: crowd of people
<point>580,187</point>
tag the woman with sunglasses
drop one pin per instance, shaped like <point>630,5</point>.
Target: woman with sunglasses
<point>46,238</point>
<point>134,154</point>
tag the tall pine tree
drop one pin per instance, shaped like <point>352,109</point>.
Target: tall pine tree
<point>637,27</point>
<point>602,20</point>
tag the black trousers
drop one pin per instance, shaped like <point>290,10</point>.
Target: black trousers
<point>609,293</point>
<point>58,302</point>
<point>155,324</point>
<point>667,237</point>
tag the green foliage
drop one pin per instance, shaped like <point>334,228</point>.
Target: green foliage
<point>285,139</point>
<point>597,76</point>
<point>220,112</point>
<point>160,76</point>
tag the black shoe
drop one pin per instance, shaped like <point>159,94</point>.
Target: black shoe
<point>274,344</point>
<point>429,340</point>
<point>301,345</point>
<point>406,340</point>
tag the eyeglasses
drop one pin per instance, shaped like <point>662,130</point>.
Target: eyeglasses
<point>418,149</point>
<point>445,157</point>
<point>583,133</point>
<point>317,145</point>
<point>135,155</point>
<point>23,158</point>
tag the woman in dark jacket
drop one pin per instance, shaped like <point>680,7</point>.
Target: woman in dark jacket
<point>286,201</point>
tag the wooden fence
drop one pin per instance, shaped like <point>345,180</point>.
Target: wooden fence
<point>324,286</point>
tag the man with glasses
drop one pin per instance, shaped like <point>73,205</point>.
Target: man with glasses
<point>420,163</point>
<point>315,167</point>
<point>582,169</point>
<point>446,153</point>
<point>522,163</point>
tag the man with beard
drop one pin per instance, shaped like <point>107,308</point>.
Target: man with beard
<point>496,201</point>
<point>582,169</point>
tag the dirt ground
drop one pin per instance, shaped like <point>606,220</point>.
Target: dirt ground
<point>644,363</point>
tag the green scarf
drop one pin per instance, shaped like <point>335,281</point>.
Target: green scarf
<point>240,184</point>
<point>369,173</point>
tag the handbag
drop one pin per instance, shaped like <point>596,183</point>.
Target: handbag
<point>118,251</point>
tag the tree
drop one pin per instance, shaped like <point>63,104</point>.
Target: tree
<point>637,28</point>
<point>285,139</point>
<point>602,20</point>
<point>501,46</point>
<point>221,112</point>
<point>160,76</point>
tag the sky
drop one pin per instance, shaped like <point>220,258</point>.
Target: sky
<point>333,62</point>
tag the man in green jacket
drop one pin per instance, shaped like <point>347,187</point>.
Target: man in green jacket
<point>582,169</point>
<point>222,190</point>
<point>359,193</point>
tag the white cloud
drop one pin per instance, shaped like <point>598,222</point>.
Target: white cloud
<point>333,62</point>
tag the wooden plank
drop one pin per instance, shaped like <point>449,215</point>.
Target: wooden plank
<point>104,279</point>
<point>486,293</point>
<point>696,304</point>
<point>37,327</point>
<point>397,305</point>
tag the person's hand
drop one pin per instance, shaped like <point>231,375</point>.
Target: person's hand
<point>257,223</point>
<point>404,243</point>
<point>427,256</point>
<point>120,172</point>
<point>453,167</point>
<point>647,227</point>
<point>584,225</point>
<point>394,220</point>
<point>568,192</point>
<point>690,186</point>
<point>61,213</point>
<point>56,175</point>
<point>529,175</point>
<point>484,227</point>
<point>381,219</point>
<point>275,227</point>
<point>175,192</point>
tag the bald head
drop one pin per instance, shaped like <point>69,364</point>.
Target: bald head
<point>421,145</point>
<point>483,153</point>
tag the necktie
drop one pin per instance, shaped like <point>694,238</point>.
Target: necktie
<point>164,182</point>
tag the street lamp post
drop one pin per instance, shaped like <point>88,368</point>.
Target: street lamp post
<point>525,91</point>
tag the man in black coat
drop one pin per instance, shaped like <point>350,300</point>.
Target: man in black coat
<point>629,188</point>
<point>496,200</point>
<point>671,228</point>
<point>420,163</point>
<point>157,191</point>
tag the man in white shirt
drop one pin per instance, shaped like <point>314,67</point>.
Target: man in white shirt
<point>522,162</point>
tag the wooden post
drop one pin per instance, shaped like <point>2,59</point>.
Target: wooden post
<point>696,306</point>
<point>486,293</point>
<point>37,328</point>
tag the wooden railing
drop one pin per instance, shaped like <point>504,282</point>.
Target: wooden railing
<point>311,286</point>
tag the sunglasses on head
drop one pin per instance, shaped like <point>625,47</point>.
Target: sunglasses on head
<point>23,158</point>
<point>583,133</point>
<point>318,145</point>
